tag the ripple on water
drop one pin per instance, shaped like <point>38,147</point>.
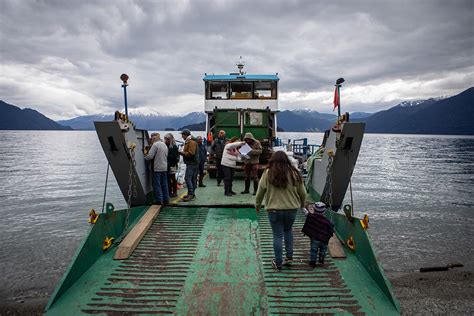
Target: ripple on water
<point>417,190</point>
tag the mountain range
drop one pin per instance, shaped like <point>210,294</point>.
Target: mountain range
<point>450,116</point>
<point>145,121</point>
<point>14,118</point>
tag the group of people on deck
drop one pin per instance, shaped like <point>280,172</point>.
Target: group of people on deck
<point>227,155</point>
<point>166,156</point>
<point>281,186</point>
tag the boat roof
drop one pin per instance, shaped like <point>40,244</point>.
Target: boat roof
<point>240,77</point>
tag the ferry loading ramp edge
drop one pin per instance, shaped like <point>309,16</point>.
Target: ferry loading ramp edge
<point>213,260</point>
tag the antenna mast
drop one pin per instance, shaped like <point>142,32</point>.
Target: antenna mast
<point>240,64</point>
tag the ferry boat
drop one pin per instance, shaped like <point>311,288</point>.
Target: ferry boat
<point>213,255</point>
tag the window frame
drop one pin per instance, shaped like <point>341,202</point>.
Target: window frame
<point>273,89</point>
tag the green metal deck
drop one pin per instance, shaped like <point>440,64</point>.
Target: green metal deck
<point>216,261</point>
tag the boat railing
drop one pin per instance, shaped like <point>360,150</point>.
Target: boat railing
<point>299,147</point>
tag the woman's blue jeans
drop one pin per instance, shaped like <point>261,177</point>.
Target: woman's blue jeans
<point>281,222</point>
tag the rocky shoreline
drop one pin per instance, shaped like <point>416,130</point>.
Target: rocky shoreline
<point>435,293</point>
<point>432,293</point>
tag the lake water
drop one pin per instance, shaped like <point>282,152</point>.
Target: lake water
<point>418,191</point>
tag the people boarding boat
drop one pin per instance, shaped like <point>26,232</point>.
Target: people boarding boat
<point>213,254</point>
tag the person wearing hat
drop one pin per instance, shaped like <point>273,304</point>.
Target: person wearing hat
<point>251,163</point>
<point>191,159</point>
<point>319,229</point>
<point>159,153</point>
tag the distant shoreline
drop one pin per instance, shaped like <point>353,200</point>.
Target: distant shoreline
<point>91,130</point>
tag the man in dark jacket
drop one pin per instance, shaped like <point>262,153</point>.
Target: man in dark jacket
<point>191,159</point>
<point>217,148</point>
<point>251,160</point>
<point>173,160</point>
<point>202,160</point>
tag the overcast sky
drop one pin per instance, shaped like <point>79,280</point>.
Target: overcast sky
<point>64,58</point>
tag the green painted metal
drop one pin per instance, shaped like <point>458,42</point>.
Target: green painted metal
<point>110,224</point>
<point>230,121</point>
<point>198,259</point>
<point>364,250</point>
<point>313,195</point>
<point>227,118</point>
<point>259,131</point>
<point>226,276</point>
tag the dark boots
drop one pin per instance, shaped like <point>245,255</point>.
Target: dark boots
<point>247,187</point>
<point>255,186</point>
<point>321,259</point>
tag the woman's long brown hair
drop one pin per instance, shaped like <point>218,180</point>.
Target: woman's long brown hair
<point>281,171</point>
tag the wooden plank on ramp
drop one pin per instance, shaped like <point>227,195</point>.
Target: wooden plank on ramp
<point>335,248</point>
<point>133,238</point>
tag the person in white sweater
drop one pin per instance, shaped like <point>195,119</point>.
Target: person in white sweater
<point>230,156</point>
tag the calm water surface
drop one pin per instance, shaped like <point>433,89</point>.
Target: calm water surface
<point>417,190</point>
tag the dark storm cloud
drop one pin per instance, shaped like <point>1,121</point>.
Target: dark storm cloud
<point>66,56</point>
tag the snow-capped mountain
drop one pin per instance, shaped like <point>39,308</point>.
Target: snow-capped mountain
<point>418,102</point>
<point>148,120</point>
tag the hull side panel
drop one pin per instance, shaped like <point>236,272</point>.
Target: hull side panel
<point>110,225</point>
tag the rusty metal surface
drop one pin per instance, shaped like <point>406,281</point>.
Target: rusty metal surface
<point>151,280</point>
<point>299,288</point>
<point>218,261</point>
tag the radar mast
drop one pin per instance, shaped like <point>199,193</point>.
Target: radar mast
<point>240,64</point>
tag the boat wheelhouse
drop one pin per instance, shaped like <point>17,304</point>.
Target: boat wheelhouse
<point>247,102</point>
<point>239,103</point>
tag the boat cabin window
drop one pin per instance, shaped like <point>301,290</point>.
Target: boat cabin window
<point>241,90</point>
<point>217,90</point>
<point>265,90</point>
<point>254,118</point>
